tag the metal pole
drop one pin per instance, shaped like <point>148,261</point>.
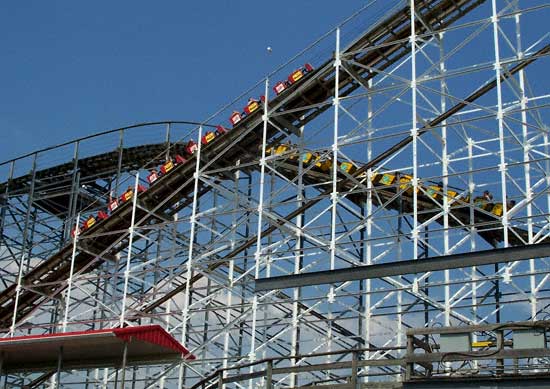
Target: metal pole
<point>334,194</point>
<point>527,168</point>
<point>414,135</point>
<point>59,367</point>
<point>189,266</point>
<point>445,178</point>
<point>414,130</point>
<point>1,365</point>
<point>500,118</point>
<point>220,380</point>
<point>368,245</point>
<point>168,129</point>
<point>5,201</point>
<point>230,274</point>
<point>73,201</point>
<point>71,272</point>
<point>119,162</point>
<point>298,260</point>
<point>354,369</point>
<point>258,252</point>
<point>23,248</point>
<point>123,368</point>
<point>269,375</point>
<point>131,231</point>
<point>472,230</point>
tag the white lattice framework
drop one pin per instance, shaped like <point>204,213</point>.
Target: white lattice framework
<point>209,244</point>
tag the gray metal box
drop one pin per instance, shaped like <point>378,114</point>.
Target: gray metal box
<point>454,343</point>
<point>530,338</point>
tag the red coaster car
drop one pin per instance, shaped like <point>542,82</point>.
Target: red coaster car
<point>102,215</point>
<point>191,147</point>
<point>235,118</point>
<point>74,231</point>
<point>295,76</point>
<point>180,159</point>
<point>280,87</point>
<point>220,130</point>
<point>152,177</point>
<point>113,205</point>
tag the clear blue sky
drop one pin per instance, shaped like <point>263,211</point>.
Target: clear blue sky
<point>73,68</point>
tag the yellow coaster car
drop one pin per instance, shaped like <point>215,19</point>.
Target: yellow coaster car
<point>481,202</point>
<point>434,192</point>
<point>348,167</point>
<point>323,165</point>
<point>306,158</point>
<point>387,179</point>
<point>281,149</point>
<point>168,165</point>
<point>406,184</point>
<point>498,209</point>
<point>295,76</point>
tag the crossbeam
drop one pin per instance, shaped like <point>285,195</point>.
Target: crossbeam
<point>411,266</point>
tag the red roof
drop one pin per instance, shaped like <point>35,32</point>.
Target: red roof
<point>87,349</point>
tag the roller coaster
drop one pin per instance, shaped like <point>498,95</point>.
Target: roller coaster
<point>392,137</point>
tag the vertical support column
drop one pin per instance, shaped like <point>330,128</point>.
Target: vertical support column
<point>368,245</point>
<point>298,260</point>
<point>526,167</point>
<point>73,201</point>
<point>167,304</point>
<point>131,231</point>
<point>242,289</point>
<point>23,247</point>
<point>230,277</point>
<point>414,134</point>
<point>409,367</point>
<point>500,346</point>
<point>123,367</point>
<point>414,131</point>
<point>445,178</point>
<point>119,162</point>
<point>189,267</point>
<point>208,290</point>
<point>167,154</point>
<point>258,253</point>
<point>334,194</point>
<point>71,273</point>
<point>220,380</point>
<point>500,118</point>
<point>5,201</point>
<point>354,370</point>
<point>546,140</point>
<point>472,232</point>
<point>269,375</point>
<point>502,162</point>
<point>57,377</point>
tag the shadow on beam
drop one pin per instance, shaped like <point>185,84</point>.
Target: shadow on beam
<point>455,261</point>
